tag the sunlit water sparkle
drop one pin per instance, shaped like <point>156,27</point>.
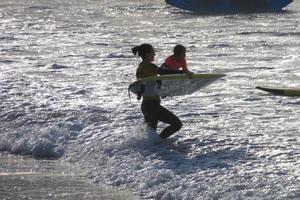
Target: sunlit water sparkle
<point>65,67</point>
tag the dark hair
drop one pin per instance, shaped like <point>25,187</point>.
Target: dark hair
<point>178,49</point>
<point>142,50</point>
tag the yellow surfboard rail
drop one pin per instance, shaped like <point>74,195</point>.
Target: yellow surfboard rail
<point>182,76</point>
<point>281,91</point>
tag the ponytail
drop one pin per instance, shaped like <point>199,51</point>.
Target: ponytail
<point>135,50</point>
<point>142,50</point>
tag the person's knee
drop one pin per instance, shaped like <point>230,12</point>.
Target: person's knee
<point>178,124</point>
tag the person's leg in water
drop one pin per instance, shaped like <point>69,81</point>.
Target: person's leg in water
<point>168,117</point>
<point>149,108</point>
<point>154,112</point>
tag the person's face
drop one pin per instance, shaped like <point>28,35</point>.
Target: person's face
<point>150,56</point>
<point>180,55</point>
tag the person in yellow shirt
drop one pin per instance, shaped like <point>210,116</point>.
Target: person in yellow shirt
<point>152,110</point>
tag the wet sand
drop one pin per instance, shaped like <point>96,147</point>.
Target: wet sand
<point>22,177</point>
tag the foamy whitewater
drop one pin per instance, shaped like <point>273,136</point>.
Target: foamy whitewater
<point>65,68</point>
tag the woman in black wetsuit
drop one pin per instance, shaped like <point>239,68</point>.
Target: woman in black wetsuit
<point>151,108</point>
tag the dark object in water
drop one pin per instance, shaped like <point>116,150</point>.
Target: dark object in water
<point>230,6</point>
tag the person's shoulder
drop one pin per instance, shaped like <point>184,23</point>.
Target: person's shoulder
<point>142,65</point>
<point>169,59</point>
<point>154,66</point>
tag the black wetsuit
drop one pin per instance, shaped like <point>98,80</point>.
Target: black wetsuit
<point>152,110</point>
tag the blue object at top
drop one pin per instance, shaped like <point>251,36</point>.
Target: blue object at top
<point>225,6</point>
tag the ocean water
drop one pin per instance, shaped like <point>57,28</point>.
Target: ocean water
<point>23,177</point>
<point>65,67</point>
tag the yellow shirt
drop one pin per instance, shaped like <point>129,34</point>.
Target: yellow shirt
<point>146,70</point>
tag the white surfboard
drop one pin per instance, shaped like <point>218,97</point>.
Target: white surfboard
<point>281,91</point>
<point>172,85</point>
